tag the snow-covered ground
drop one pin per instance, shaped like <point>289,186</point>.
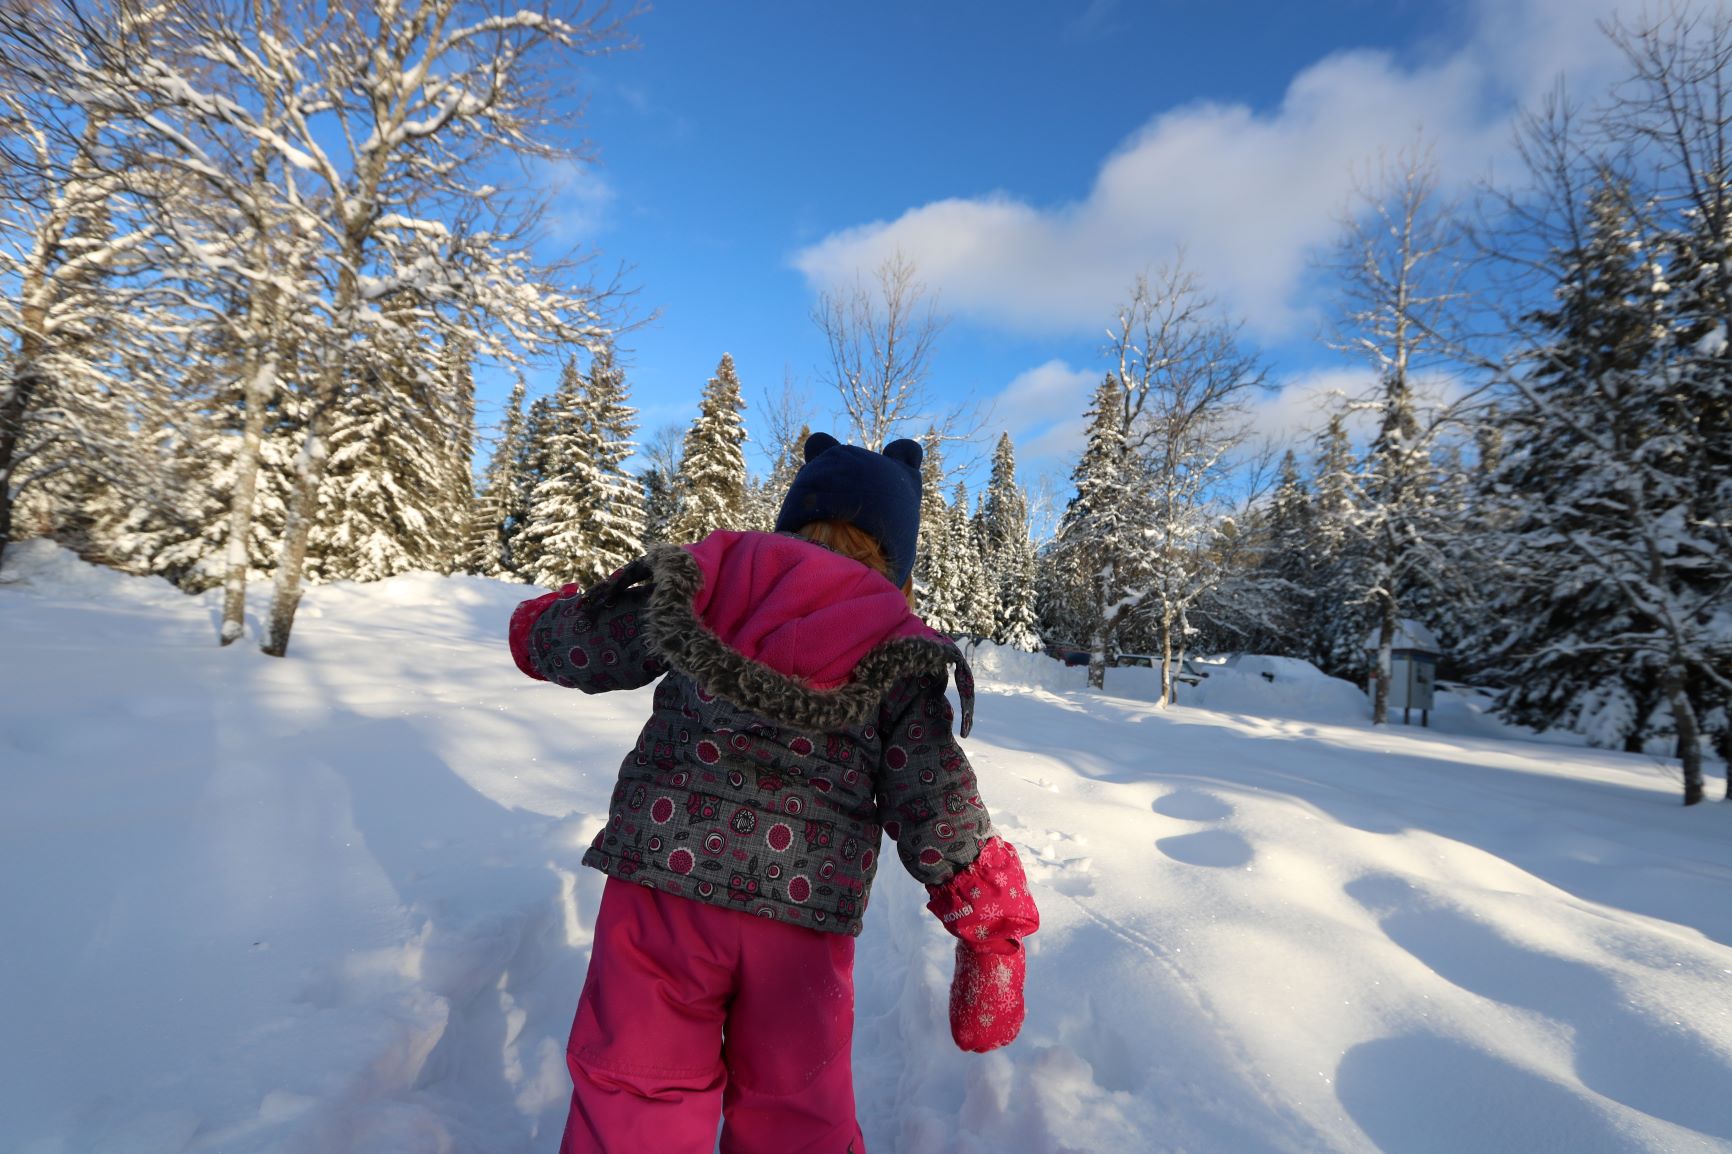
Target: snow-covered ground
<point>333,903</point>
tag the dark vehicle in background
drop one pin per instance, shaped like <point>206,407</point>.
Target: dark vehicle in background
<point>1185,674</point>
<point>1069,654</point>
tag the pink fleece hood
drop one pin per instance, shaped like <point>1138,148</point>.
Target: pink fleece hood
<point>797,607</point>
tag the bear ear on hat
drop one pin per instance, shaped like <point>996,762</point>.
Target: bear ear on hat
<point>819,443</point>
<point>906,451</point>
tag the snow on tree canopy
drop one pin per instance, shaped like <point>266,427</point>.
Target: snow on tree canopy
<point>711,482</point>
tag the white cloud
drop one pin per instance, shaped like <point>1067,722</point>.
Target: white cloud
<point>1298,409</point>
<point>1042,410</point>
<point>1249,196</point>
<point>578,200</point>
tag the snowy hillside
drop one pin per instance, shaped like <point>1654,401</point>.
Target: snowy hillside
<point>333,903</point>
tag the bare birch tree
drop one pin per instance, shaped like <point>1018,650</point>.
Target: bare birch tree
<point>1185,383</point>
<point>880,338</point>
<point>1399,277</point>
<point>219,194</point>
<point>1138,541</point>
<point>78,365</point>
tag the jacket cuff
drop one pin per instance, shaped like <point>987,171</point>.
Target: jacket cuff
<point>988,905</point>
<point>523,620</point>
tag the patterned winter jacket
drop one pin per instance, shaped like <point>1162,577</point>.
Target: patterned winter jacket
<point>802,712</point>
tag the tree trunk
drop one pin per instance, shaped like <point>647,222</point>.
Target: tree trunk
<point>1166,658</point>
<point>261,383</point>
<point>1723,743</point>
<point>18,396</point>
<point>1385,643</point>
<point>297,529</point>
<point>304,498</point>
<point>264,354</point>
<point>315,453</point>
<point>1098,638</point>
<point>1098,655</point>
<point>1179,652</point>
<point>1689,737</point>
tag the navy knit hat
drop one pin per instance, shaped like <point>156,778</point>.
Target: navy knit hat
<point>878,492</point>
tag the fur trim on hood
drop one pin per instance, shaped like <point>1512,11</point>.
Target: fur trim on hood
<point>803,584</point>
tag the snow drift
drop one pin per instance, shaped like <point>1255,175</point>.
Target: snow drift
<point>332,903</point>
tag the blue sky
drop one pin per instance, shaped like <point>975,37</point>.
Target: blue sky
<point>1030,158</point>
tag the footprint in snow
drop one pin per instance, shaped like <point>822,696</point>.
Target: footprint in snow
<point>1424,1093</point>
<point>1047,858</point>
<point>1219,848</point>
<point>1192,805</point>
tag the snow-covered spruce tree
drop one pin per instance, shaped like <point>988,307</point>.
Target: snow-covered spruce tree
<point>934,576</point>
<point>1266,552</point>
<point>1607,615</point>
<point>1674,110</point>
<point>1339,619</point>
<point>1643,449</point>
<point>558,535</point>
<point>661,454</point>
<point>1398,278</point>
<point>386,497</point>
<point>499,508</point>
<point>537,426</point>
<point>712,474</point>
<point>659,504</point>
<point>940,589</point>
<point>614,510</point>
<point>780,479</point>
<point>985,578</point>
<point>1452,600</point>
<point>1291,560</point>
<point>1703,356</point>
<point>1097,553</point>
<point>192,543</point>
<point>1004,515</point>
<point>976,594</point>
<point>1018,621</point>
<point>532,469</point>
<point>1009,552</point>
<point>585,514</point>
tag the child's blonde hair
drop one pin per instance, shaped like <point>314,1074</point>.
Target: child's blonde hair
<point>850,540</point>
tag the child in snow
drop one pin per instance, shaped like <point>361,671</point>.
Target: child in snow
<point>803,711</point>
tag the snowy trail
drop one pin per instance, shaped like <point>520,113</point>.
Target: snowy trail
<point>334,904</point>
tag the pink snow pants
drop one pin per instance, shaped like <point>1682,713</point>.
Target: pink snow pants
<point>692,1013</point>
